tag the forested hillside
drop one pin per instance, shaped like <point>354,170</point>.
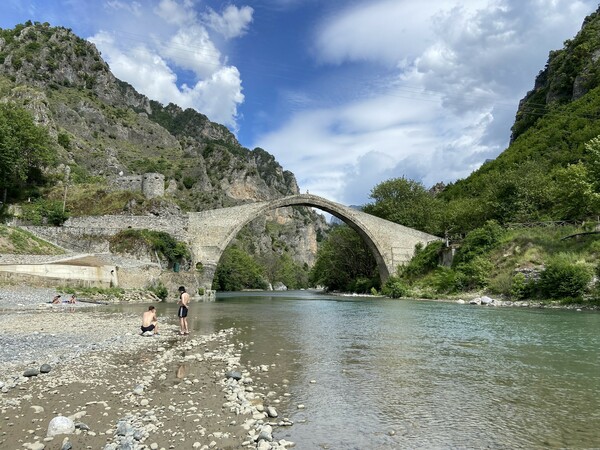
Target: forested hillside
<point>550,171</point>
<point>503,220</point>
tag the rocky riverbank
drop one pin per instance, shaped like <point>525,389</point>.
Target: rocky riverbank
<point>103,386</point>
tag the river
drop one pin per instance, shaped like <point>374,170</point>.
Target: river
<point>380,373</point>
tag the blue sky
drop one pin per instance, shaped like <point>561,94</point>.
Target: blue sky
<point>345,93</point>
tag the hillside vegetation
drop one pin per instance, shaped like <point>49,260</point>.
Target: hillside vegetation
<point>506,221</point>
<point>19,242</point>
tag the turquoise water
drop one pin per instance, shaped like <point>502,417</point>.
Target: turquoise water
<point>419,374</point>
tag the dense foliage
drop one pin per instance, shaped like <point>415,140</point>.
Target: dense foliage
<point>345,263</point>
<point>24,150</point>
<point>131,241</point>
<point>521,264</point>
<point>406,202</point>
<point>238,271</point>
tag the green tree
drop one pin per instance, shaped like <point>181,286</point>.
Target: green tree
<point>24,148</point>
<point>574,193</point>
<point>593,157</point>
<point>343,260</point>
<point>237,271</point>
<point>407,203</point>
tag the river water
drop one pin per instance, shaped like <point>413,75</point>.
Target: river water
<point>378,374</point>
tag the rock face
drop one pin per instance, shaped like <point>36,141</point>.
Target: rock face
<point>569,74</point>
<point>103,127</point>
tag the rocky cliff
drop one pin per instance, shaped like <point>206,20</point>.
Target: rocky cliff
<point>102,127</point>
<point>570,73</point>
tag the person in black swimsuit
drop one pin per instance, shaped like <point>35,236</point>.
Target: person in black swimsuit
<point>182,312</point>
<point>149,321</point>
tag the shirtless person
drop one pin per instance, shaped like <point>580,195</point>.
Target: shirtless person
<point>149,321</point>
<point>182,312</point>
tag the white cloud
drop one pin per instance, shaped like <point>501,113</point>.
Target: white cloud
<point>233,22</point>
<point>460,69</point>
<point>175,13</point>
<point>192,49</point>
<point>163,40</point>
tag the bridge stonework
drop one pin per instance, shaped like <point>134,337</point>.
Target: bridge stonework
<point>210,232</point>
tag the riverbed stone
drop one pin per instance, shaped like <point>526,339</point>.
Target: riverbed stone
<point>31,373</point>
<point>60,425</point>
<point>45,368</point>
<point>236,375</point>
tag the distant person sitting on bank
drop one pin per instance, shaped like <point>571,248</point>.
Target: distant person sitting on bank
<point>73,299</point>
<point>149,321</point>
<point>56,299</point>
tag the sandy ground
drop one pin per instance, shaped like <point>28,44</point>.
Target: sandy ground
<point>126,391</point>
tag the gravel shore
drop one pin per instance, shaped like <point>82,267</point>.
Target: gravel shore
<point>119,390</point>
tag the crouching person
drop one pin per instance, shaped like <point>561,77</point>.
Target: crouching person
<point>149,321</point>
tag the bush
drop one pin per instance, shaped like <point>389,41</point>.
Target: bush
<point>479,241</point>
<point>42,212</point>
<point>476,272</point>
<point>518,287</point>
<point>159,290</point>
<point>424,260</point>
<point>563,278</point>
<point>362,285</point>
<point>394,288</point>
<point>449,281</point>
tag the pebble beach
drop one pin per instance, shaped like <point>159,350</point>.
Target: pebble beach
<point>81,377</point>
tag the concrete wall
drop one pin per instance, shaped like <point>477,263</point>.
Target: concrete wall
<point>66,274</point>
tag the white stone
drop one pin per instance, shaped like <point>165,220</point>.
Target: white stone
<point>60,425</point>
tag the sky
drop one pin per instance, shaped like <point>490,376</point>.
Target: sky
<point>346,94</point>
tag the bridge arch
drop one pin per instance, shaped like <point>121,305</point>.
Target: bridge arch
<point>210,232</point>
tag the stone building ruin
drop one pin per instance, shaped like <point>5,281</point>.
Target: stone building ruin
<point>151,185</point>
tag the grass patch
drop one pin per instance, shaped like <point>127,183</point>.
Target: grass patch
<point>16,241</point>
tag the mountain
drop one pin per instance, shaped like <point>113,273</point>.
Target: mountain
<point>103,129</point>
<point>547,173</point>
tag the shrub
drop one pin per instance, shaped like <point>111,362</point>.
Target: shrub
<point>188,182</point>
<point>479,241</point>
<point>64,140</point>
<point>518,287</point>
<point>41,212</point>
<point>362,285</point>
<point>394,288</point>
<point>476,272</point>
<point>449,281</point>
<point>563,278</point>
<point>159,290</point>
<point>424,260</point>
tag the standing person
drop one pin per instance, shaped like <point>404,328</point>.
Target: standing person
<point>184,300</point>
<point>149,320</point>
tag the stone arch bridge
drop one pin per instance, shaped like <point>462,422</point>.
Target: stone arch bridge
<point>208,233</point>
